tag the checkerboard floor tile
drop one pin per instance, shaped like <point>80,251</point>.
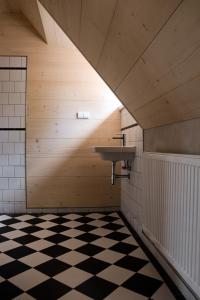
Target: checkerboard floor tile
<point>74,256</point>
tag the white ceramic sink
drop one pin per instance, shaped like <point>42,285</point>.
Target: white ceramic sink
<point>115,153</point>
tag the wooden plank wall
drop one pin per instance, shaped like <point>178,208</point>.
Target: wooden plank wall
<point>147,51</point>
<point>62,171</point>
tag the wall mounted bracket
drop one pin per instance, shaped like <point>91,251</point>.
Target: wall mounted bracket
<point>114,176</point>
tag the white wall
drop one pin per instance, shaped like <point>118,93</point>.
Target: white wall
<point>131,190</point>
<point>132,198</point>
<point>12,142</point>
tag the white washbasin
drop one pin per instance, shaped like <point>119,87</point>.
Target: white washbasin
<point>115,153</point>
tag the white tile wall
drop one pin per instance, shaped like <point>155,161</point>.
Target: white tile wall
<point>14,98</point>
<point>12,93</point>
<point>131,190</point>
<point>126,119</point>
<point>4,61</point>
<point>4,97</point>
<point>12,169</point>
<point>12,143</point>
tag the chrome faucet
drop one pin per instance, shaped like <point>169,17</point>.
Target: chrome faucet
<point>122,137</point>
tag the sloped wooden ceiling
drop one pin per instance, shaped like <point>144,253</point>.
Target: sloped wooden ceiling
<point>147,51</point>
<point>9,6</point>
<point>39,18</point>
<point>29,8</point>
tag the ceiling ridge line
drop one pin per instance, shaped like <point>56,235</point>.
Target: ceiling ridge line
<point>164,24</point>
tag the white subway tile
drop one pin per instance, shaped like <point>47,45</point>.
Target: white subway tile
<point>20,207</point>
<point>22,98</point>
<point>15,61</point>
<point>23,184</point>
<point>19,148</point>
<point>139,133</point>
<point>22,122</point>
<point>22,160</point>
<point>4,75</point>
<point>4,122</point>
<point>14,122</point>
<point>12,147</point>
<point>15,75</point>
<point>8,110</point>
<point>14,183</point>
<point>23,78</point>
<point>19,171</point>
<point>8,148</point>
<point>3,98</point>
<point>14,136</point>
<point>3,160</point>
<point>14,160</point>
<point>3,183</point>
<point>20,110</point>
<point>20,196</point>
<point>4,136</point>
<point>14,98</point>
<point>8,208</point>
<point>139,149</point>
<point>20,86</point>
<point>22,136</point>
<point>23,61</point>
<point>8,171</point>
<point>8,86</point>
<point>4,61</point>
<point>8,195</point>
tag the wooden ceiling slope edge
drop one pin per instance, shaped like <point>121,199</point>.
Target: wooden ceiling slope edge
<point>38,17</point>
<point>29,9</point>
<point>40,20</point>
<point>54,34</point>
<point>144,53</point>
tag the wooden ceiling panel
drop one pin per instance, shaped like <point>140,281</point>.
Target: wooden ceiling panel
<point>180,104</point>
<point>53,33</point>
<point>7,6</point>
<point>14,6</point>
<point>30,10</point>
<point>4,7</point>
<point>172,59</point>
<point>95,22</point>
<point>147,51</point>
<point>134,25</point>
<point>67,13</point>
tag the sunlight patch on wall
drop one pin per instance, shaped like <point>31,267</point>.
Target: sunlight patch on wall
<point>57,37</point>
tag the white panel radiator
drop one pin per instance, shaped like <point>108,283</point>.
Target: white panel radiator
<point>172,211</point>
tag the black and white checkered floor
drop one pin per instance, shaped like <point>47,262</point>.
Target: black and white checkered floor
<point>74,256</point>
